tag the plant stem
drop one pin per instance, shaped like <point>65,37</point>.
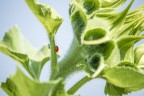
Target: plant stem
<point>69,64</point>
<point>79,84</point>
<point>54,65</point>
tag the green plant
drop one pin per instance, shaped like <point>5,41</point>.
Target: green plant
<point>104,39</point>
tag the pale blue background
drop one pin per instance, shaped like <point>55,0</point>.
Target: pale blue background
<point>16,12</point>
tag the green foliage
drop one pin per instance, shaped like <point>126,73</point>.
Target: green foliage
<point>112,35</point>
<point>113,90</point>
<point>124,76</point>
<point>139,52</point>
<point>17,47</point>
<point>20,85</point>
<point>46,14</point>
<point>103,47</point>
<point>123,79</point>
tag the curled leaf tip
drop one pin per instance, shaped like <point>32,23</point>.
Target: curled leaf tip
<point>47,16</point>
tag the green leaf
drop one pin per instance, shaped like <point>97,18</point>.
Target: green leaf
<point>129,55</point>
<point>100,26</point>
<point>46,14</point>
<point>18,48</point>
<point>139,53</point>
<point>88,6</point>
<point>131,28</point>
<point>94,65</point>
<point>78,19</point>
<point>20,85</point>
<point>114,20</point>
<point>133,23</point>
<point>119,19</point>
<point>128,64</point>
<point>113,4</point>
<point>124,47</point>
<point>135,88</point>
<point>134,14</point>
<point>114,57</point>
<point>113,90</point>
<point>91,5</point>
<point>124,76</point>
<point>105,49</point>
<point>95,33</point>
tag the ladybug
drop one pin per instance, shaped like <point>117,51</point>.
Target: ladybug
<point>56,48</point>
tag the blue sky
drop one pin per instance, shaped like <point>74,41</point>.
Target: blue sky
<point>16,12</point>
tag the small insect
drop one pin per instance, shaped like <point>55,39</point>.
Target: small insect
<point>56,48</point>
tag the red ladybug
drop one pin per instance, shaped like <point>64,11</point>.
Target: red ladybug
<point>56,48</point>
